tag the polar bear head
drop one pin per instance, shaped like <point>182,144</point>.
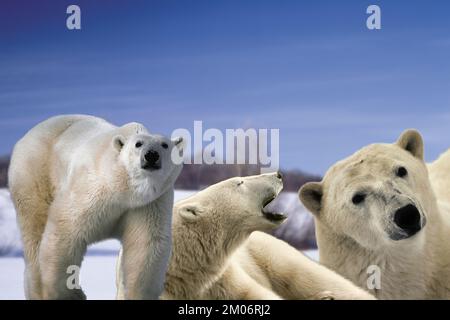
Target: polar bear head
<point>149,164</point>
<point>223,215</point>
<point>378,197</point>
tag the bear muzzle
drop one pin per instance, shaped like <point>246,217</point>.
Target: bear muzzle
<point>408,221</point>
<point>151,160</point>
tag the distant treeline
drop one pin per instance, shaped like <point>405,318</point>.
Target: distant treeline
<point>199,176</point>
<point>4,164</point>
<point>195,177</point>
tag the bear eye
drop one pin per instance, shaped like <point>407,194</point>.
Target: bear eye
<point>240,182</point>
<point>358,198</point>
<point>138,144</point>
<point>401,172</point>
<point>164,145</point>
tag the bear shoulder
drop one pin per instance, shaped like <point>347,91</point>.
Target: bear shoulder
<point>132,128</point>
<point>439,173</point>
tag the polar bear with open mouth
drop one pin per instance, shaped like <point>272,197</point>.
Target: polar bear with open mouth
<point>219,251</point>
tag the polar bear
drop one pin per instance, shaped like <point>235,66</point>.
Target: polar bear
<point>379,224</point>
<point>220,253</point>
<point>77,179</point>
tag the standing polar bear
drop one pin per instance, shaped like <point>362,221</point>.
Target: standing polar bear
<point>378,209</point>
<point>218,252</point>
<point>78,179</point>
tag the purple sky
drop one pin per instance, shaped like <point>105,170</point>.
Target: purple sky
<point>311,69</point>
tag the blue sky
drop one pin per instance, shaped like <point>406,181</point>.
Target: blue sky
<point>311,69</point>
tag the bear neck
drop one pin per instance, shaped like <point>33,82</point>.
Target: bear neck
<point>399,269</point>
<point>199,259</point>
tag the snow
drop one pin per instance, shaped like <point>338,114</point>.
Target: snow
<point>10,243</point>
<point>9,232</point>
<point>97,277</point>
<point>98,270</point>
<point>299,229</point>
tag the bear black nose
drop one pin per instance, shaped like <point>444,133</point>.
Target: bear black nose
<point>152,160</point>
<point>407,218</point>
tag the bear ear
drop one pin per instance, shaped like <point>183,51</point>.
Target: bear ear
<point>411,141</point>
<point>177,153</point>
<point>310,195</point>
<point>178,142</point>
<point>118,142</point>
<point>190,212</point>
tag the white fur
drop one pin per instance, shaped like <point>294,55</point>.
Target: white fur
<point>353,237</point>
<point>76,180</point>
<point>218,252</point>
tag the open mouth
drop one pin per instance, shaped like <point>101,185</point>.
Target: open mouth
<point>275,217</point>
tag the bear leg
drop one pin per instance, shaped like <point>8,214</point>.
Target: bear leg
<point>294,276</point>
<point>60,256</point>
<point>32,212</point>
<point>146,240</point>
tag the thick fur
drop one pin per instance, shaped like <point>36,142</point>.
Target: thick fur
<point>77,179</point>
<point>219,253</point>
<point>439,172</point>
<point>352,237</point>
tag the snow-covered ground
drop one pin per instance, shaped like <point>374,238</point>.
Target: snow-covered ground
<point>97,276</point>
<point>97,273</point>
<point>9,232</point>
<point>98,270</point>
<point>10,244</point>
